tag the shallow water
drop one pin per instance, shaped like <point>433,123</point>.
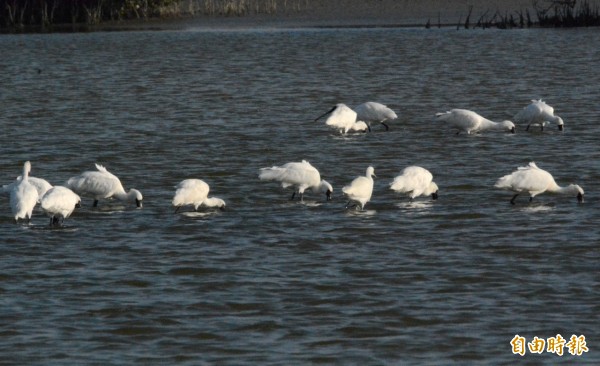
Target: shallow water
<point>269,281</point>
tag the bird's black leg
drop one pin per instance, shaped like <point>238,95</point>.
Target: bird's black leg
<point>542,127</point>
<point>530,198</point>
<point>177,209</point>
<point>387,128</point>
<point>95,203</point>
<point>512,201</point>
<point>369,127</point>
<point>527,128</point>
<point>293,195</point>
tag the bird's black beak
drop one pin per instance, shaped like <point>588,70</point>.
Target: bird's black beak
<point>434,196</point>
<point>561,127</point>
<point>579,198</point>
<point>138,203</point>
<point>328,195</point>
<point>222,208</point>
<point>512,130</point>
<point>326,113</point>
<point>78,205</point>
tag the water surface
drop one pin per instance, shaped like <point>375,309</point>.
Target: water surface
<point>269,281</point>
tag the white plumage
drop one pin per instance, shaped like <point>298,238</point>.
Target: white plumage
<point>342,118</point>
<point>471,122</point>
<point>195,192</point>
<point>300,175</point>
<point>415,181</point>
<point>373,112</point>
<point>23,196</point>
<point>59,203</point>
<point>533,180</point>
<point>537,114</point>
<point>102,184</point>
<point>41,185</point>
<point>359,126</point>
<point>361,189</point>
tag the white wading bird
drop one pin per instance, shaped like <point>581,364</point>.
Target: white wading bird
<point>538,113</point>
<point>373,112</point>
<point>102,184</point>
<point>342,117</point>
<point>23,196</point>
<point>361,189</point>
<point>59,203</point>
<point>300,175</point>
<point>195,192</point>
<point>41,185</point>
<point>471,122</point>
<point>415,181</point>
<point>533,180</point>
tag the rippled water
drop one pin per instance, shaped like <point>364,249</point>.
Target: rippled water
<point>269,281</point>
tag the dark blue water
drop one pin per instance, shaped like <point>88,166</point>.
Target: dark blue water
<point>269,281</point>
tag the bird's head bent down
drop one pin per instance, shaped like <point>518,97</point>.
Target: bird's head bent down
<point>434,191</point>
<point>508,125</point>
<point>327,188</point>
<point>579,190</point>
<point>561,124</point>
<point>137,195</point>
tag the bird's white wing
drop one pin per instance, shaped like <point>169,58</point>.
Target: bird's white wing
<point>96,184</point>
<point>360,186</point>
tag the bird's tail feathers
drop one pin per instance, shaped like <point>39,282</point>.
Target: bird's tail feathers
<point>503,182</point>
<point>397,184</point>
<point>272,173</point>
<point>100,167</point>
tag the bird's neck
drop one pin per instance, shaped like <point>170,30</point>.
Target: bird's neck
<point>489,124</point>
<point>124,196</point>
<point>570,189</point>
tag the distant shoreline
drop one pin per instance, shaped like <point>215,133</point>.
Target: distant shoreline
<point>327,14</point>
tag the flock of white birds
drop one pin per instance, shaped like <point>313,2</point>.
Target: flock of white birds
<point>59,202</point>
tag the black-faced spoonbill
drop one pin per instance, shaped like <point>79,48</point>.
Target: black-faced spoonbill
<point>341,117</point>
<point>299,175</point>
<point>373,112</point>
<point>195,192</point>
<point>59,203</point>
<point>533,180</point>
<point>23,196</point>
<point>102,184</point>
<point>538,113</point>
<point>471,122</point>
<point>361,189</point>
<point>415,181</point>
